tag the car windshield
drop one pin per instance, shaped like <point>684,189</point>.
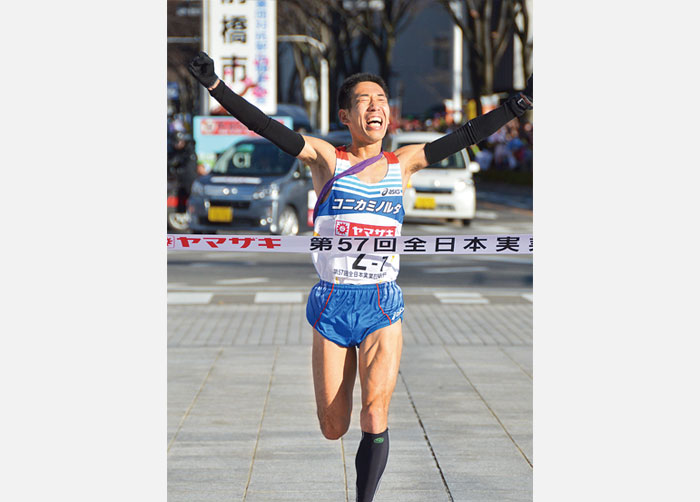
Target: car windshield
<point>253,159</point>
<point>455,161</point>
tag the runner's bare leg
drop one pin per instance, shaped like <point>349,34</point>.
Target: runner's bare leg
<point>379,357</point>
<point>334,369</point>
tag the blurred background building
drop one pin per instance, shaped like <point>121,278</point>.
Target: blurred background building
<point>410,43</point>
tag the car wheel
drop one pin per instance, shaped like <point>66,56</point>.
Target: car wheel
<point>179,221</point>
<point>466,223</point>
<point>288,223</point>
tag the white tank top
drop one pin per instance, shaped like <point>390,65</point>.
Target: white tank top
<point>357,209</point>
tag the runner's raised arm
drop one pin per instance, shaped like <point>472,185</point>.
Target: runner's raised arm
<point>416,157</point>
<point>318,154</point>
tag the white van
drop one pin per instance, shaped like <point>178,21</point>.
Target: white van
<point>441,190</point>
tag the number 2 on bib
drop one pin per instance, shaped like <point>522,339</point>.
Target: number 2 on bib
<point>356,264</point>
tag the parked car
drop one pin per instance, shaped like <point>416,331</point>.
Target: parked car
<point>252,186</point>
<point>441,190</point>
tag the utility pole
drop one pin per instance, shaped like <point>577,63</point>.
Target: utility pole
<point>457,63</point>
<point>324,94</point>
<point>519,77</point>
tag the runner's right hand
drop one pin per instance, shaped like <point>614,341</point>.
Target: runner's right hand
<point>202,68</point>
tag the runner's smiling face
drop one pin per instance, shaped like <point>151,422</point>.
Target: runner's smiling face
<point>368,116</point>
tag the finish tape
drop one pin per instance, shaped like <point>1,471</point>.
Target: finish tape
<point>424,244</point>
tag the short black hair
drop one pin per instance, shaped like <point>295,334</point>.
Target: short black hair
<point>345,91</point>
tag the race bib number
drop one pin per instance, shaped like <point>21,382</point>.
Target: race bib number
<point>371,268</point>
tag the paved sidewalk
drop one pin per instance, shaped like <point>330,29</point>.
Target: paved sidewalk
<point>242,421</point>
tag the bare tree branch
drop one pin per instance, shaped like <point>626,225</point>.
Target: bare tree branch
<point>486,46</point>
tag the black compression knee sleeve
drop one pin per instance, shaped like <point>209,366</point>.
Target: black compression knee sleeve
<point>370,462</point>
<point>254,119</point>
<point>476,130</point>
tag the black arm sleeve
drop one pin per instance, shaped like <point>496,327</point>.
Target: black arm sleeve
<point>476,130</point>
<point>287,140</point>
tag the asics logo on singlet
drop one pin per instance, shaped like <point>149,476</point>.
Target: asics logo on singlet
<point>391,191</point>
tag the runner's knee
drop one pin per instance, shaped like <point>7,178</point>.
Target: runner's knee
<point>333,428</point>
<point>374,417</point>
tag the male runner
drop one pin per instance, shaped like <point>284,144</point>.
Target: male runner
<point>356,308</point>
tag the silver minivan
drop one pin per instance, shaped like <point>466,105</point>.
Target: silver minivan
<point>442,190</point>
<point>252,186</point>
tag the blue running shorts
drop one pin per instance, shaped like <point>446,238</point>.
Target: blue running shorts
<point>347,313</point>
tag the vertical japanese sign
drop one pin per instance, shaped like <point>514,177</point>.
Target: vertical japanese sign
<point>241,37</point>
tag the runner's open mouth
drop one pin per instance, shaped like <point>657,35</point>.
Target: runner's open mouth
<point>375,122</point>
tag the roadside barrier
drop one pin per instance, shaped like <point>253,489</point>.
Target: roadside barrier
<point>424,244</point>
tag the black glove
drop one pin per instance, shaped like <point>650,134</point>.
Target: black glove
<point>521,102</point>
<point>202,68</point>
